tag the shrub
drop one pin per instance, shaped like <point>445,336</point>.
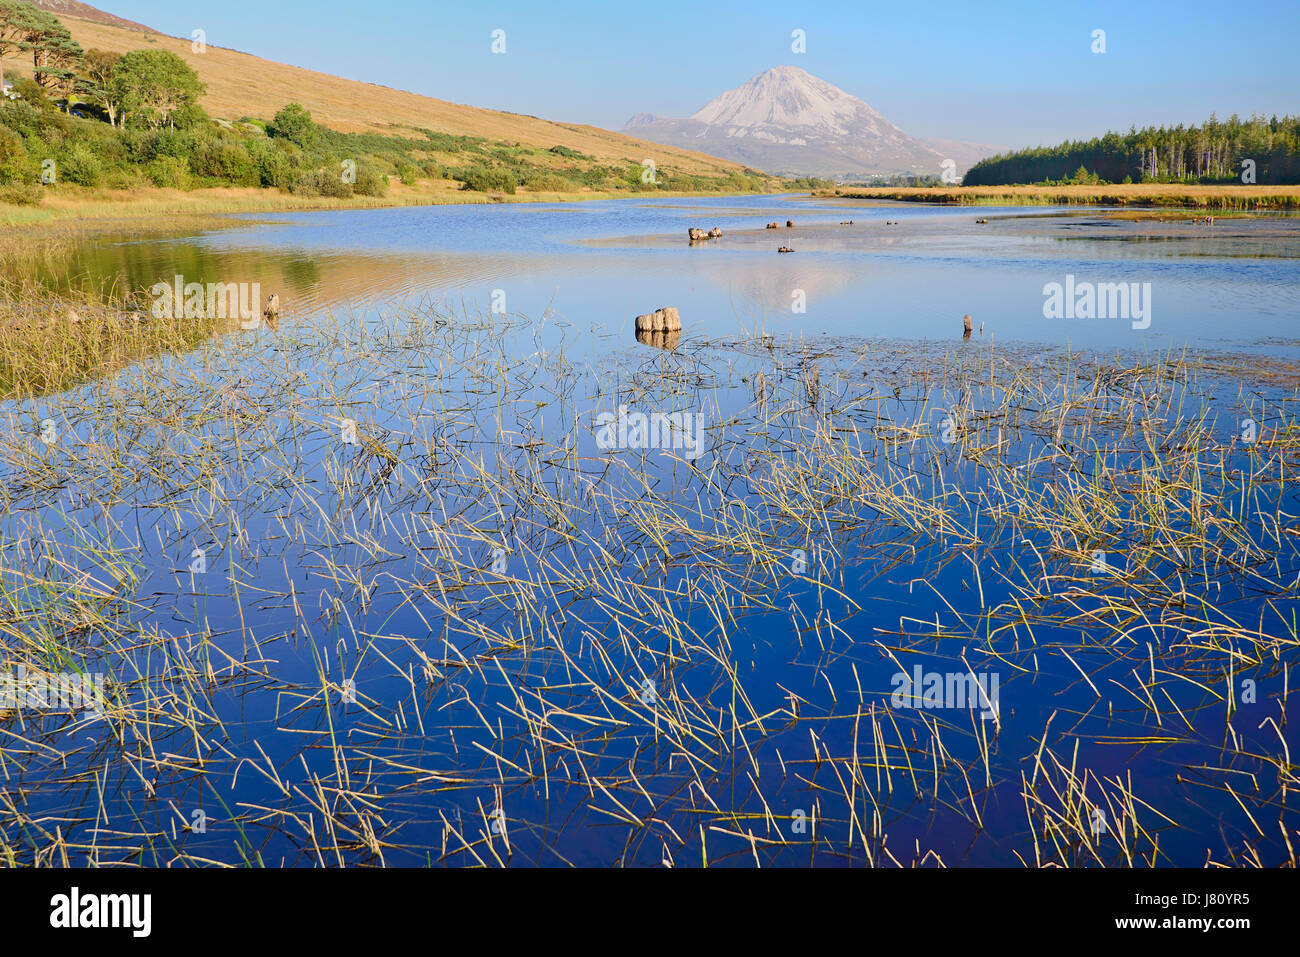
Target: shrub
<point>170,172</point>
<point>224,160</point>
<point>122,179</point>
<point>321,182</point>
<point>485,180</point>
<point>22,194</point>
<point>406,173</point>
<point>369,182</point>
<point>33,93</point>
<point>293,123</point>
<point>81,167</point>
<point>597,175</point>
<point>159,143</point>
<point>26,120</point>
<point>549,183</point>
<point>271,164</point>
<point>13,158</point>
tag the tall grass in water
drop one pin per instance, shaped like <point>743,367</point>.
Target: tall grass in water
<point>473,637</point>
<point>49,344</point>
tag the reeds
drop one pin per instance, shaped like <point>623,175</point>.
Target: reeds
<point>472,637</point>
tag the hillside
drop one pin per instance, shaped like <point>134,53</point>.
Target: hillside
<point>239,84</point>
<point>75,8</point>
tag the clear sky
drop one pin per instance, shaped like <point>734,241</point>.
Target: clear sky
<point>1011,74</point>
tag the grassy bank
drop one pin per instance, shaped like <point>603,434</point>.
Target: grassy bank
<point>122,205</point>
<point>1126,194</point>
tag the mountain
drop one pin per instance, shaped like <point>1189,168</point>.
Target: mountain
<point>240,84</point>
<point>787,121</point>
<point>84,11</point>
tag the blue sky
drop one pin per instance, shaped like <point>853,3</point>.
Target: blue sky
<point>1020,74</point>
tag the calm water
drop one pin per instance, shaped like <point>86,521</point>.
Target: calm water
<point>1234,285</point>
<point>328,566</point>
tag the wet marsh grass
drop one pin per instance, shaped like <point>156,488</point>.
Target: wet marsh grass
<point>473,638</point>
<point>51,343</point>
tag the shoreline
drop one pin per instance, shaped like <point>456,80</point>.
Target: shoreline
<point>107,206</point>
<point>1163,195</point>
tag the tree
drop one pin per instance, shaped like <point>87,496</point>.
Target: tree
<point>154,85</point>
<point>17,21</point>
<point>1211,153</point>
<point>294,123</point>
<point>55,55</point>
<point>96,82</point>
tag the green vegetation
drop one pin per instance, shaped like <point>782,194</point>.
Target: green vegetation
<point>155,85</point>
<point>909,180</point>
<point>1217,152</point>
<point>810,182</point>
<point>97,119</point>
<point>487,180</point>
<point>28,30</point>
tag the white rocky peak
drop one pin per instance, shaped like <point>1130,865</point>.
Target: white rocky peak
<point>788,97</point>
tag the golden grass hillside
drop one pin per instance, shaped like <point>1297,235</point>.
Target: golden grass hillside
<point>240,84</point>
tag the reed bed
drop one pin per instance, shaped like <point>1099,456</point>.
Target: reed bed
<point>469,636</point>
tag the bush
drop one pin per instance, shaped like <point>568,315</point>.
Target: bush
<point>369,182</point>
<point>549,183</point>
<point>33,93</point>
<point>271,164</point>
<point>322,182</point>
<point>13,158</point>
<point>406,173</point>
<point>81,167</point>
<point>122,179</point>
<point>223,160</point>
<point>189,117</point>
<point>159,143</point>
<point>169,172</point>
<point>597,175</point>
<point>27,121</point>
<point>293,123</point>
<point>485,180</point>
<point>22,194</point>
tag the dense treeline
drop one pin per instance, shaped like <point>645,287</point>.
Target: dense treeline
<point>1211,153</point>
<point>91,118</point>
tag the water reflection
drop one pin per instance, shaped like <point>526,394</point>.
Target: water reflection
<point>600,264</point>
<point>660,338</point>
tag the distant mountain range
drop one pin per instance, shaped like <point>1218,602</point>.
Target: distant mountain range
<point>787,121</point>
